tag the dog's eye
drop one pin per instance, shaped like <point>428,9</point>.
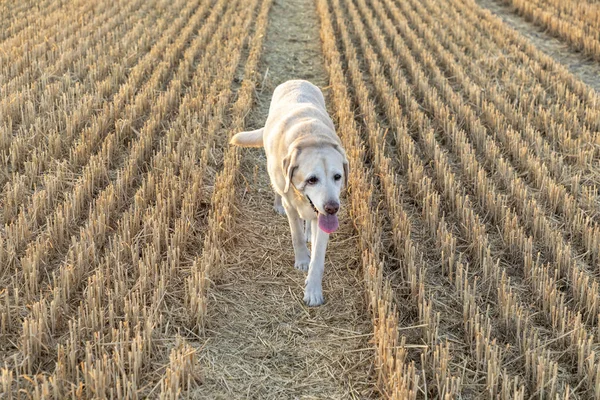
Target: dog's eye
<point>312,180</point>
<point>337,177</point>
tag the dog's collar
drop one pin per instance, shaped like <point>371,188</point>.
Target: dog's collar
<point>312,205</point>
<point>308,198</point>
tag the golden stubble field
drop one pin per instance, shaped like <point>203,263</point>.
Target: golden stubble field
<point>140,256</point>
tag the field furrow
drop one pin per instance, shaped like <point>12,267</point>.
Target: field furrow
<point>452,261</point>
<point>40,93</point>
<point>34,156</point>
<point>172,161</point>
<point>142,152</point>
<point>98,150</point>
<point>577,24</point>
<point>26,50</point>
<point>532,211</point>
<point>499,113</point>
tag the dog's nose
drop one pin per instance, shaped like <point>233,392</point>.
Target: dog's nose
<point>331,207</point>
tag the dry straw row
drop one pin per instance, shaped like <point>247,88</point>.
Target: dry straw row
<point>571,130</point>
<point>397,377</point>
<point>500,113</point>
<point>208,266</point>
<point>545,68</point>
<point>577,33</point>
<point>36,158</point>
<point>580,101</point>
<point>422,188</point>
<point>83,251</point>
<point>94,176</point>
<point>57,57</point>
<point>412,270</point>
<point>180,372</point>
<point>23,14</point>
<point>148,272</point>
<point>99,378</point>
<point>549,289</point>
<point>29,45</point>
<point>41,202</point>
<point>560,120</point>
<point>157,279</point>
<point>578,325</point>
<point>580,107</point>
<point>506,175</point>
<point>584,14</point>
<point>43,104</point>
<point>467,163</point>
<point>438,160</point>
<point>550,162</point>
<point>528,207</point>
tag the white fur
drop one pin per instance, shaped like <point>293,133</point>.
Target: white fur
<point>300,142</point>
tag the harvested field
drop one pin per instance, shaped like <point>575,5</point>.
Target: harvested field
<point>582,66</point>
<point>140,256</point>
<point>575,22</point>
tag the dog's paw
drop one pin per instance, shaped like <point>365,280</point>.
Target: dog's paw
<point>279,209</point>
<point>313,295</point>
<point>302,264</point>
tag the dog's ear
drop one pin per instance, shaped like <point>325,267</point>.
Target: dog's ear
<point>346,171</point>
<point>289,166</point>
<point>346,165</point>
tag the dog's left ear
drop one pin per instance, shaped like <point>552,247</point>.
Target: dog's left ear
<point>346,165</point>
<point>289,166</point>
<point>346,171</point>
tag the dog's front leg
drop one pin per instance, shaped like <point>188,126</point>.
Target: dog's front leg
<point>278,205</point>
<point>307,230</point>
<point>313,292</point>
<point>301,252</point>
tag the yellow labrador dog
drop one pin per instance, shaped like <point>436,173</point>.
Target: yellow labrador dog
<point>307,165</point>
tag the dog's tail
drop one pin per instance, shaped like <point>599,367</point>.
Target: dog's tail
<point>249,139</point>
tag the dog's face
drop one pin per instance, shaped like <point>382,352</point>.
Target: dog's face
<point>319,173</point>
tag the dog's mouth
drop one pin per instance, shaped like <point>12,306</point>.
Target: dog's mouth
<point>328,223</point>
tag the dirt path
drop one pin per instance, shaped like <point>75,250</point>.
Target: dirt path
<point>263,342</point>
<point>587,71</point>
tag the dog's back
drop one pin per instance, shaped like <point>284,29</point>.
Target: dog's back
<point>294,92</point>
<point>292,101</point>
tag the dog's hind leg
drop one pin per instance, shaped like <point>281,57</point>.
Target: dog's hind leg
<point>277,206</point>
<point>307,230</point>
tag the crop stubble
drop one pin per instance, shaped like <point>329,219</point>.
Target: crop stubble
<point>473,190</point>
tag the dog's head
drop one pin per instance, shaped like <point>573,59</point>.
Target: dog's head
<point>318,171</point>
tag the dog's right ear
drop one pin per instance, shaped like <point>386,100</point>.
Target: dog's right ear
<point>289,166</point>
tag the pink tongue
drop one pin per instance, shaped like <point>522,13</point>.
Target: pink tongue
<point>328,223</point>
